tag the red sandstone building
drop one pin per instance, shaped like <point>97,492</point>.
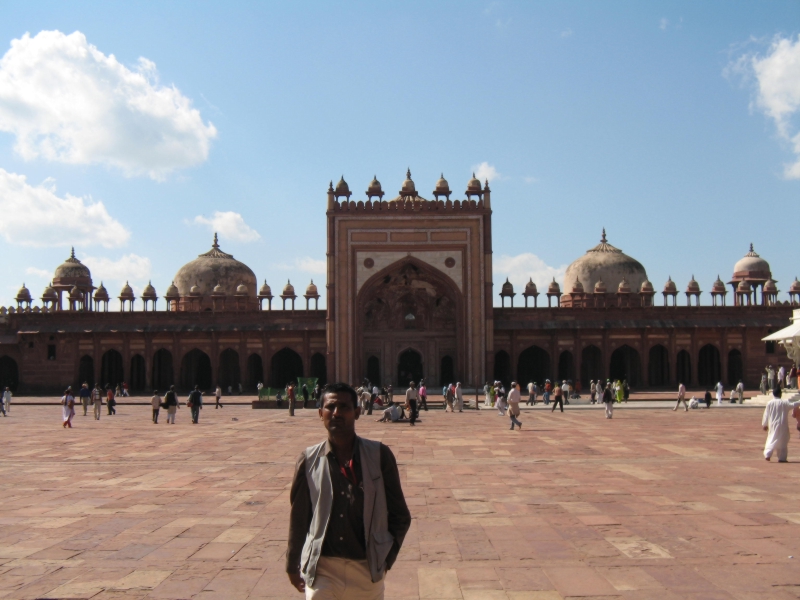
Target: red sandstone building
<point>409,294</point>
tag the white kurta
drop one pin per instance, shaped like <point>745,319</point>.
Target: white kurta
<point>459,399</point>
<point>776,417</point>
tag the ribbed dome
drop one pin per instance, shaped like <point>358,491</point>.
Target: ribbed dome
<point>670,287</point>
<point>624,287</point>
<point>149,291</point>
<point>342,189</point>
<point>172,291</point>
<point>718,287</point>
<point>693,287</point>
<point>265,291</point>
<point>49,293</point>
<point>553,288</point>
<point>647,287</point>
<point>442,187</point>
<point>311,290</point>
<point>771,286</point>
<point>24,294</point>
<point>408,189</point>
<point>474,185</point>
<point>507,289</point>
<point>288,289</point>
<point>374,188</point>
<point>577,287</point>
<point>212,268</point>
<point>752,266</point>
<point>241,290</point>
<point>795,287</point>
<point>72,268</point>
<point>75,293</point>
<point>101,293</point>
<point>127,291</point>
<point>530,288</point>
<point>600,287</point>
<point>743,287</point>
<point>607,263</point>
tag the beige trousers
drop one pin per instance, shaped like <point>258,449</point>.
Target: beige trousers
<point>343,579</point>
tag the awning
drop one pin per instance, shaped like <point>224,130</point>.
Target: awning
<point>787,333</point>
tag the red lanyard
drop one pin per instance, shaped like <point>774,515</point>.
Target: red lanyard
<point>349,473</point>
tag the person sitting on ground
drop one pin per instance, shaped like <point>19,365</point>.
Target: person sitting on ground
<point>394,414</point>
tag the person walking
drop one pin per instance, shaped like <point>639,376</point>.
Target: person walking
<point>448,398</point>
<point>348,516</point>
<point>776,423</point>
<point>67,408</point>
<point>548,388</point>
<point>492,395</point>
<point>155,402</point>
<point>291,397</point>
<point>411,402</point>
<point>97,401</point>
<point>739,391</point>
<point>770,378</point>
<point>195,403</point>
<point>304,393</point>
<point>763,385</point>
<point>514,397</point>
<point>781,377</point>
<point>608,399</point>
<point>707,398</point>
<point>171,404</point>
<point>500,398</point>
<point>85,394</point>
<point>111,401</point>
<point>626,391</point>
<point>7,395</point>
<point>459,397</point>
<point>217,397</point>
<point>558,398</point>
<point>619,391</point>
<point>720,392</point>
<point>681,398</point>
<point>423,396</point>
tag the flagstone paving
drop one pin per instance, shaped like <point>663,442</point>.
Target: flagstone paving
<point>652,504</point>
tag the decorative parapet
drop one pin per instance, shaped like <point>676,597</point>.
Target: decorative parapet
<point>416,204</point>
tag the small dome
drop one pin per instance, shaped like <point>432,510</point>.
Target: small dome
<point>770,287</point>
<point>670,287</point>
<point>288,289</point>
<point>577,287</point>
<point>600,287</point>
<point>342,189</point>
<point>218,291</point>
<point>265,291</point>
<point>374,188</point>
<point>149,291</point>
<point>795,287</point>
<point>554,288</point>
<point>101,293</point>
<point>474,185</point>
<point>127,291</point>
<point>24,294</point>
<point>241,290</point>
<point>530,288</point>
<point>624,287</point>
<point>442,187</point>
<point>507,289</point>
<point>72,269</point>
<point>49,293</point>
<point>647,287</point>
<point>693,287</point>
<point>311,290</point>
<point>743,287</point>
<point>408,189</point>
<point>718,287</point>
<point>172,291</point>
<point>752,267</point>
<point>195,290</point>
<point>75,293</point>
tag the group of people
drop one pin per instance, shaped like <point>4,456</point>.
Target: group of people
<point>782,378</point>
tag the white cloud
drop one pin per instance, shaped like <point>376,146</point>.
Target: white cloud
<point>66,101</point>
<point>36,216</point>
<point>130,267</point>
<point>306,264</point>
<point>663,24</point>
<point>778,79</point>
<point>522,267</point>
<point>485,171</point>
<point>531,179</point>
<point>229,225</point>
<point>41,273</point>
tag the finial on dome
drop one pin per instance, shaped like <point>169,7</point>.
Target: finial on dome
<point>215,245</point>
<point>330,186</point>
<point>603,238</point>
<point>408,173</point>
<point>751,247</point>
<point>72,254</point>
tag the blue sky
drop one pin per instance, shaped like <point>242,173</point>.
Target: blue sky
<point>674,125</point>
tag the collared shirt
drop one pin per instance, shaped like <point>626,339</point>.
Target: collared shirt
<point>345,536</point>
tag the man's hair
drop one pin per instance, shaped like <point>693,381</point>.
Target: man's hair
<point>339,388</point>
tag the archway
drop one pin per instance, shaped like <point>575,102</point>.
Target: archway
<point>287,366</point>
<point>683,368</point>
<point>447,373</point>
<point>86,371</point>
<point>591,365</point>
<point>626,365</point>
<point>229,373</point>
<point>565,366</point>
<point>9,373</point>
<point>658,366</point>
<point>163,371</point>
<point>502,367</point>
<point>735,368</point>
<point>708,366</point>
<point>196,370</point>
<point>111,371</point>
<point>409,367</point>
<point>533,364</point>
<point>255,371</point>
<point>374,370</point>
<point>138,373</point>
<point>319,368</point>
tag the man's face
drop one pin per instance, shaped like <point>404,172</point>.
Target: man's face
<point>338,414</point>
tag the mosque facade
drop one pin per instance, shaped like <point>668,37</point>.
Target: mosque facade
<point>409,294</point>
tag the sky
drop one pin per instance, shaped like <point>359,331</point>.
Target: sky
<point>133,131</point>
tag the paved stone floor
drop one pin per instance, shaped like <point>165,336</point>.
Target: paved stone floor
<point>652,504</point>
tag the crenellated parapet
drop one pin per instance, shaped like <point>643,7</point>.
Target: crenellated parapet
<point>408,205</point>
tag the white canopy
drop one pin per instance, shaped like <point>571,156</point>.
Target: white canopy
<point>787,333</point>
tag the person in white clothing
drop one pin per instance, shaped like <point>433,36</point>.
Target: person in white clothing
<point>155,402</point>
<point>513,405</point>
<point>608,400</point>
<point>782,377</point>
<point>720,393</point>
<point>6,401</point>
<point>740,392</point>
<point>776,422</point>
<point>459,398</point>
<point>681,398</point>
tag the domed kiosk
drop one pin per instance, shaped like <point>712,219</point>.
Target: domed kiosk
<point>215,273</point>
<point>72,273</point>
<point>754,270</point>
<point>607,264</point>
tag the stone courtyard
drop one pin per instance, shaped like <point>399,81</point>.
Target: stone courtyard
<point>652,504</point>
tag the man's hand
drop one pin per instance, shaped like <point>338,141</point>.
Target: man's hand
<point>297,582</point>
<point>766,428</point>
